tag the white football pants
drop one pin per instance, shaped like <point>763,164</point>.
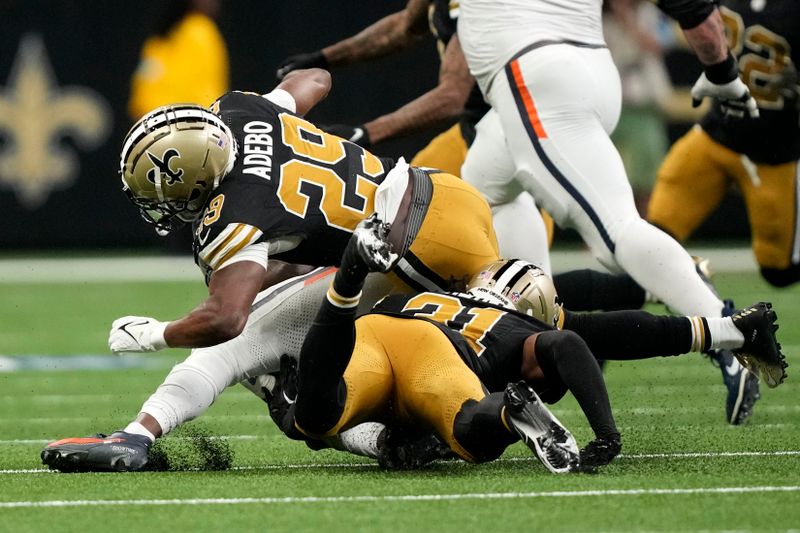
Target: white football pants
<point>557,105</point>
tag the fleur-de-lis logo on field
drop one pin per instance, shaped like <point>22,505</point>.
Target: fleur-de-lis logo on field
<point>35,116</point>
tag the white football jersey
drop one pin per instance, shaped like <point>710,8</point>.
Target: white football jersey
<point>491,32</point>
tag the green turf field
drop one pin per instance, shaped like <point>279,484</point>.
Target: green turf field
<point>682,468</point>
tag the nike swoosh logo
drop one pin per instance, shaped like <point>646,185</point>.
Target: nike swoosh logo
<point>202,240</point>
<point>288,400</point>
<point>733,368</point>
<point>132,323</point>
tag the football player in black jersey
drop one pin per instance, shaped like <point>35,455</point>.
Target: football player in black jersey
<point>403,372</point>
<point>257,181</point>
<point>759,156</point>
<point>412,371</point>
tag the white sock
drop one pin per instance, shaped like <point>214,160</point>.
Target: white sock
<point>362,439</point>
<point>137,429</point>
<point>724,334</point>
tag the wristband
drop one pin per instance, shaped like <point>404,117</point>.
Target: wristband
<point>723,72</point>
<point>157,340</point>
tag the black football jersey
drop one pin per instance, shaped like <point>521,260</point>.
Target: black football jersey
<point>292,185</point>
<point>765,36</point>
<point>443,22</point>
<point>488,338</point>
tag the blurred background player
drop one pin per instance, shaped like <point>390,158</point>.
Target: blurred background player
<point>638,34</point>
<point>184,61</point>
<point>758,156</point>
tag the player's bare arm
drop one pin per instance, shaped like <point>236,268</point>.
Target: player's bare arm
<point>702,25</point>
<point>393,32</point>
<point>223,315</point>
<point>441,104</point>
<point>708,39</point>
<point>308,87</point>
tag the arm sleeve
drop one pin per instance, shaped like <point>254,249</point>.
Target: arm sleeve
<point>688,13</point>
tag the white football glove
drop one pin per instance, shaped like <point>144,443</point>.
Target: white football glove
<point>734,97</point>
<point>137,334</point>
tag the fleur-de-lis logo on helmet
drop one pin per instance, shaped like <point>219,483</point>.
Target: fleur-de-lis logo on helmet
<point>162,171</point>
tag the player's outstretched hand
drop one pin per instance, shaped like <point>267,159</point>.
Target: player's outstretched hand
<point>734,96</point>
<point>299,61</point>
<point>137,334</point>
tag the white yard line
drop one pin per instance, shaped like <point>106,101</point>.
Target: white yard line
<point>404,498</point>
<point>629,456</point>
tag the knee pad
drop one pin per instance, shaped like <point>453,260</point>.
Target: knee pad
<point>479,429</point>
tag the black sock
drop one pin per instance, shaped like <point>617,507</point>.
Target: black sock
<point>352,272</point>
<point>630,335</point>
<point>324,357</point>
<point>563,355</point>
<point>590,290</point>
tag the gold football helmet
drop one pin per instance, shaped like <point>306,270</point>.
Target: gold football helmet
<point>171,161</point>
<point>527,287</point>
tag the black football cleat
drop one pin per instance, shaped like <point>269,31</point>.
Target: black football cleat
<point>118,452</point>
<point>761,352</point>
<point>742,385</point>
<point>371,236</point>
<point>540,430</point>
<point>599,452</point>
<point>399,451</point>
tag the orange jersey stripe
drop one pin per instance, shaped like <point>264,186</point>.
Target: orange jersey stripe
<point>527,99</point>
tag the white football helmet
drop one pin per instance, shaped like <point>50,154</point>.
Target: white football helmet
<point>526,288</point>
<point>171,161</point>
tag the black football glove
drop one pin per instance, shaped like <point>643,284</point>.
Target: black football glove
<point>281,399</point>
<point>355,134</point>
<point>298,61</point>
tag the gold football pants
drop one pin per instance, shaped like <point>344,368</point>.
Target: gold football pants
<point>455,240</point>
<point>446,152</point>
<point>697,173</point>
<point>406,370</point>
